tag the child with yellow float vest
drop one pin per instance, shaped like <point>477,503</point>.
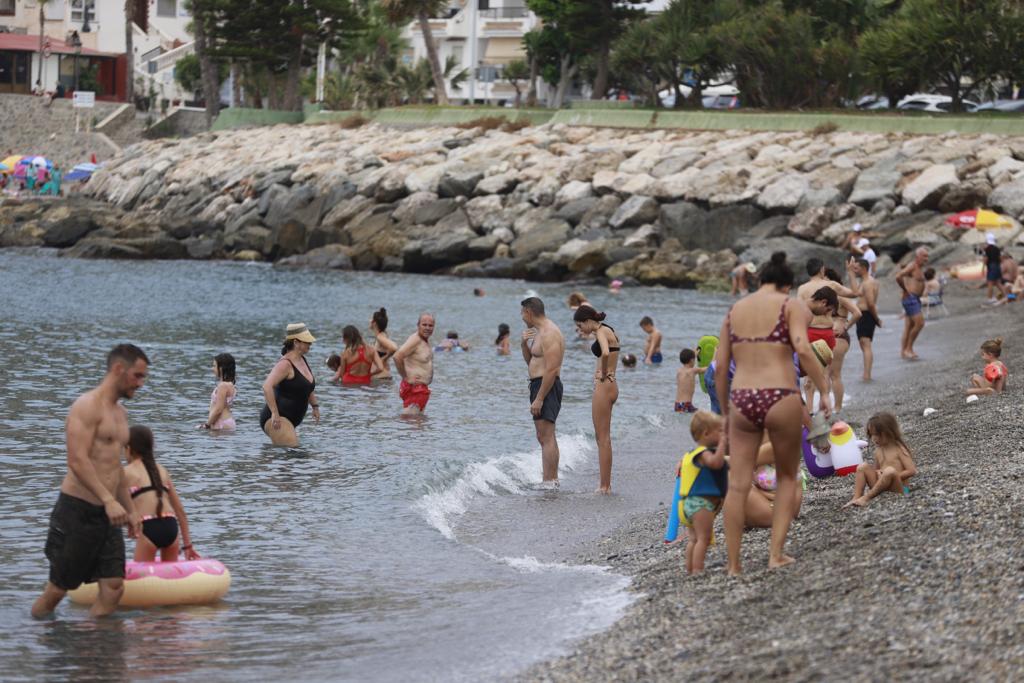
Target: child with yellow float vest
<point>703,482</point>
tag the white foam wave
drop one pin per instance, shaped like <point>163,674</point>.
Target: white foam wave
<point>532,565</point>
<point>656,420</point>
<point>513,474</point>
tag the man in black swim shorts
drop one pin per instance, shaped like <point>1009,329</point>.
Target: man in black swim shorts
<point>543,348</point>
<point>85,542</point>
<point>869,319</point>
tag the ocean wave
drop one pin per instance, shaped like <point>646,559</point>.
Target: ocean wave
<point>516,474</point>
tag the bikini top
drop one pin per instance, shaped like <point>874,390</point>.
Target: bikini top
<point>778,335</point>
<point>228,402</point>
<point>136,491</point>
<point>595,348</point>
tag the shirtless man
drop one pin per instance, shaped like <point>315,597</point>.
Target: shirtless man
<point>543,348</point>
<point>84,543</point>
<point>415,363</point>
<point>821,326</point>
<point>652,348</point>
<point>910,278</point>
<point>869,320</point>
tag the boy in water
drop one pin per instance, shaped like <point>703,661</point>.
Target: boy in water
<point>686,380</point>
<point>703,480</point>
<point>652,349</point>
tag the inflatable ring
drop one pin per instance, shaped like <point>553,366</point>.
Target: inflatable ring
<point>818,464</point>
<point>706,347</point>
<point>155,584</point>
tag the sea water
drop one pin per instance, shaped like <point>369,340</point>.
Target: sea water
<point>381,548</point>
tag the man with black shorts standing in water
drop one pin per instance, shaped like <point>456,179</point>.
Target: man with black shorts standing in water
<point>543,348</point>
<point>84,543</point>
<point>869,320</point>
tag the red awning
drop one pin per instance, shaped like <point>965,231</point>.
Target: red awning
<point>26,43</point>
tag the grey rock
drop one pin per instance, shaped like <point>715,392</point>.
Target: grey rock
<point>459,183</point>
<point>271,196</point>
<point>545,268</point>
<point>103,248</point>
<point>337,193</point>
<point>279,176</point>
<point>811,223</point>
<point>877,182</point>
<point>202,248</point>
<point>675,164</point>
<point>323,235</point>
<point>635,211</point>
<point>432,212</point>
<point>483,247</point>
<point>547,236</point>
<point>717,229</point>
<point>925,191</point>
<point>248,238</point>
<point>332,257</point>
<point>443,249</point>
<point>502,183</point>
<point>1009,198</point>
<point>773,226</point>
<point>346,210</point>
<point>600,214</point>
<point>574,211</point>
<point>250,217</point>
<point>969,195</point>
<point>299,205</point>
<point>644,236</point>
<point>784,195</point>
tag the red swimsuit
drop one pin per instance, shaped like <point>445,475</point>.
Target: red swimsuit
<point>349,378</point>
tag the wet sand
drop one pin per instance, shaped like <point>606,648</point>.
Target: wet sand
<point>928,585</point>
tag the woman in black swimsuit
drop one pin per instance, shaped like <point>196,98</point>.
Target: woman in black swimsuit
<point>289,389</point>
<point>606,391</point>
<point>384,346</point>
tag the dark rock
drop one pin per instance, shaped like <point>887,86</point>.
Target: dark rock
<point>798,252</point>
<point>599,215</point>
<point>248,238</point>
<point>250,217</point>
<point>333,256</point>
<point>279,176</point>
<point>67,227</point>
<point>360,232</point>
<point>455,143</point>
<point>271,196</point>
<point>287,239</point>
<point>545,268</point>
<point>337,193</point>
<point>323,235</point>
<point>573,211</point>
<point>964,197</point>
<point>177,227</point>
<point>159,247</point>
<point>434,211</point>
<point>443,249</point>
<point>712,230</point>
<point>548,235</point>
<point>300,205</point>
<point>203,247</point>
<point>483,247</point>
<point>458,183</point>
<point>773,226</point>
<point>95,248</point>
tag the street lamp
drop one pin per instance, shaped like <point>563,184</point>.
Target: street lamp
<point>76,42</point>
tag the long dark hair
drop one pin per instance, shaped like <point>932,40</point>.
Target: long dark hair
<point>777,272</point>
<point>225,366</point>
<point>350,335</point>
<point>587,313</point>
<point>886,426</point>
<point>140,441</point>
<point>380,319</point>
<point>503,331</point>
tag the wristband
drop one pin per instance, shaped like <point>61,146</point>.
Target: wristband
<point>186,547</point>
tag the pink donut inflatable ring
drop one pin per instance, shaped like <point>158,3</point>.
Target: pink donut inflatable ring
<point>156,584</point>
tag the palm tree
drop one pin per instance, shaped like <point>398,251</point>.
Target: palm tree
<point>422,10</point>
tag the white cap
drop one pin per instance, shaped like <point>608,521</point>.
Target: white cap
<point>857,227</point>
<point>990,238</point>
<point>862,242</point>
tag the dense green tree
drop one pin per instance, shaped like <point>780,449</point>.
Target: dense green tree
<point>422,11</point>
<point>639,59</point>
<point>514,73</point>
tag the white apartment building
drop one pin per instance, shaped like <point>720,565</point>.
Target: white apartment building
<point>485,34</point>
<point>160,38</point>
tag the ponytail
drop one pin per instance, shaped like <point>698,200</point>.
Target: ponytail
<point>140,441</point>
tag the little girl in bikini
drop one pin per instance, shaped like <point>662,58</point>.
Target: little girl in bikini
<point>148,482</point>
<point>220,418</point>
<point>993,378</point>
<point>894,464</point>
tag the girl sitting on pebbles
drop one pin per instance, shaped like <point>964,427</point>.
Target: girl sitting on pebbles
<point>993,379</point>
<point>893,466</point>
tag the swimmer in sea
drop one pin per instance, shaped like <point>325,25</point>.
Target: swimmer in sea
<point>686,381</point>
<point>220,418</point>
<point>543,349</point>
<point>652,348</point>
<point>290,389</point>
<point>452,343</point>
<point>85,542</point>
<point>503,343</point>
<point>383,345</point>
<point>148,483</point>
<point>415,364</point>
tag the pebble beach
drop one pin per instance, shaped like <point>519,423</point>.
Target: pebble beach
<point>925,586</point>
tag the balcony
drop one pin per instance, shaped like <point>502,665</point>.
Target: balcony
<point>510,11</point>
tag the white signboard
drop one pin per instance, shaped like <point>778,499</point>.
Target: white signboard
<point>84,99</point>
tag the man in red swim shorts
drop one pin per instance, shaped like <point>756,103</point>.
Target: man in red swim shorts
<point>823,305</point>
<point>415,363</point>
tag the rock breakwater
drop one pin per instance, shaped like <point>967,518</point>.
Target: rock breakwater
<point>675,208</point>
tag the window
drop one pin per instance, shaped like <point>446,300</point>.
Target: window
<point>7,8</point>
<point>166,8</point>
<point>79,8</point>
<point>457,55</point>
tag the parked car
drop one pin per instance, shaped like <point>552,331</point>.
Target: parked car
<point>871,102</point>
<point>715,97</point>
<point>721,101</point>
<point>1003,105</point>
<point>940,104</point>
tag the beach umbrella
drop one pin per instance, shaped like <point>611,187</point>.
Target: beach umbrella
<point>11,161</point>
<point>42,162</point>
<point>982,219</point>
<point>81,172</point>
<point>3,168</point>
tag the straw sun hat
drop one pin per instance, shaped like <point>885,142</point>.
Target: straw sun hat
<point>300,332</point>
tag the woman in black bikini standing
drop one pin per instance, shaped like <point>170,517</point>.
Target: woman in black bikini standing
<point>384,346</point>
<point>764,396</point>
<point>289,389</point>
<point>606,391</point>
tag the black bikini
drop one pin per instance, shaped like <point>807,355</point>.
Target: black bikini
<point>595,348</point>
<point>161,531</point>
<point>292,397</point>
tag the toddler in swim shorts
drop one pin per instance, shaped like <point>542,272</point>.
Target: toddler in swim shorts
<point>703,481</point>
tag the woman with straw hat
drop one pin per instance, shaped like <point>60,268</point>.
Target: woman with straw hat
<point>290,388</point>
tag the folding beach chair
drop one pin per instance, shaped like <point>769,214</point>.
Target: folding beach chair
<point>931,301</point>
